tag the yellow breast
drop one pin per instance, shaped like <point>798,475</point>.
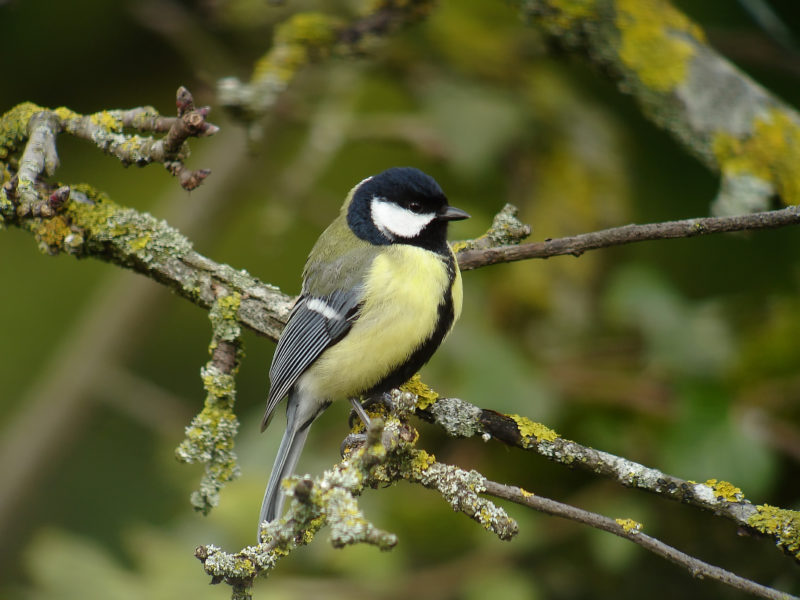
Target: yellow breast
<point>403,290</point>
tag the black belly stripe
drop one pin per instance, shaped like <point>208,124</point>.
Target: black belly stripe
<point>425,351</point>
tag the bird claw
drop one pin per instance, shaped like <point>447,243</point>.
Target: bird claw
<point>353,439</point>
<point>384,400</point>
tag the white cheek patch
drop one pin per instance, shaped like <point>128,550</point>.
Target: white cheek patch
<point>319,306</point>
<point>395,221</point>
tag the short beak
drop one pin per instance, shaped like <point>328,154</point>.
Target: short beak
<point>451,213</point>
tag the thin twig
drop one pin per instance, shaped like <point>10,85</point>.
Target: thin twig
<point>631,530</point>
<point>628,234</point>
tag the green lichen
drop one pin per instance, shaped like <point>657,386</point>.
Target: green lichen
<point>137,237</point>
<point>629,525</point>
<point>770,153</point>
<point>653,42</point>
<point>533,432</point>
<point>426,395</point>
<point>726,491</point>
<point>780,523</point>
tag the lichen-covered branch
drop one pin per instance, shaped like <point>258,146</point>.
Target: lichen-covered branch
<point>463,419</point>
<point>506,230</point>
<point>210,436</point>
<point>106,130</point>
<point>81,221</point>
<point>656,53</point>
<point>90,224</point>
<point>632,530</point>
<point>38,157</point>
<point>386,455</point>
<point>306,38</point>
<point>460,489</point>
<point>473,258</point>
<point>28,148</point>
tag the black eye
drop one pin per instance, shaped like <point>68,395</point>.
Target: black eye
<point>415,207</point>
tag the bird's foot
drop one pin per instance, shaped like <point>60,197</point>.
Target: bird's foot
<point>384,400</point>
<point>353,440</point>
<point>358,410</point>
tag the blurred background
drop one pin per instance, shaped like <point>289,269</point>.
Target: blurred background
<point>679,354</point>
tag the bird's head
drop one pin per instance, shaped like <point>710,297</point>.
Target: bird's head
<point>401,205</point>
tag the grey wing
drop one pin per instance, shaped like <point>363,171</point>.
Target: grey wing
<point>315,324</point>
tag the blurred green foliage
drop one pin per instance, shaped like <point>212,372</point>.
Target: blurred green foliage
<point>679,354</point>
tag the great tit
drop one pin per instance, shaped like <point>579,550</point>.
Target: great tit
<point>381,290</point>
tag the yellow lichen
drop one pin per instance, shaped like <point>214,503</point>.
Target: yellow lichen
<point>106,120</point>
<point>51,232</point>
<point>629,525</point>
<point>229,305</point>
<point>653,42</point>
<point>780,523</point>
<point>771,152</point>
<point>724,490</point>
<point>140,243</point>
<point>531,430</point>
<point>218,385</point>
<point>94,216</point>
<point>426,395</point>
<point>421,461</point>
<point>526,493</point>
<point>66,114</point>
<point>14,127</point>
<point>457,247</point>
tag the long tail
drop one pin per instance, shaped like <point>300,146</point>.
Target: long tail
<point>288,454</point>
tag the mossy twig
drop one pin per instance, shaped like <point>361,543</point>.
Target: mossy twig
<point>210,436</point>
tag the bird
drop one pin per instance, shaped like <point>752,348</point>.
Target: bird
<point>381,291</point>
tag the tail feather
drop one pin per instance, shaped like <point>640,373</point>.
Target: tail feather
<point>292,443</point>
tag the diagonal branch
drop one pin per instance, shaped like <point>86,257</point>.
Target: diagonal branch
<point>463,419</point>
<point>631,530</point>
